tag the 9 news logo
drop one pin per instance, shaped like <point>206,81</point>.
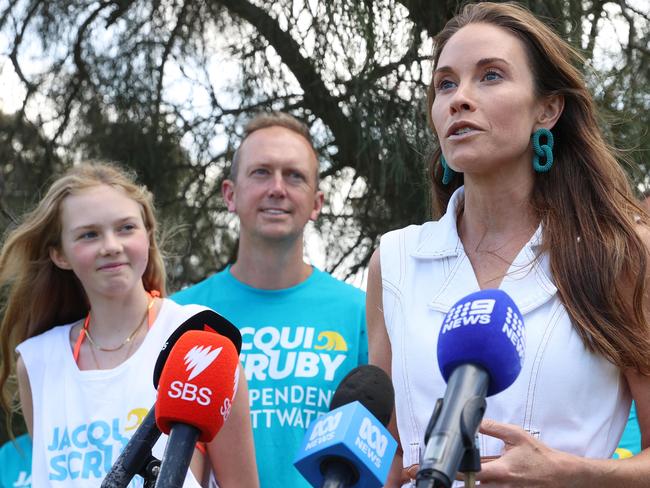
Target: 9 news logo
<point>475,312</point>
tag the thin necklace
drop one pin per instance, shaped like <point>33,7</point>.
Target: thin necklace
<point>92,351</point>
<point>128,339</point>
<point>86,328</point>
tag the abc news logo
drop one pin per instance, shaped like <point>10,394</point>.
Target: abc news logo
<point>325,425</point>
<point>369,433</point>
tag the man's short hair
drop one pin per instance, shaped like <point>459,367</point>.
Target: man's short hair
<point>265,120</point>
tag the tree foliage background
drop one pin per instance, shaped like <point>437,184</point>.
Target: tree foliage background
<point>165,86</point>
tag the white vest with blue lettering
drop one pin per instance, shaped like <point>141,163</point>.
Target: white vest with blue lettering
<point>569,398</point>
<point>83,419</point>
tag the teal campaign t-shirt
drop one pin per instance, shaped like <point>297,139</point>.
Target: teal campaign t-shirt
<point>630,444</point>
<point>16,463</point>
<point>297,345</point>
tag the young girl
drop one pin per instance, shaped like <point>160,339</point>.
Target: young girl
<point>87,257</point>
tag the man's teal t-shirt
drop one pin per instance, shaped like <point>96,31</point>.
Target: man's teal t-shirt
<point>16,463</point>
<point>298,343</point>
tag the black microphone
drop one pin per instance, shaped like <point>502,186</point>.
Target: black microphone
<point>370,386</point>
<point>136,457</point>
<point>195,395</point>
<point>480,353</point>
<point>350,446</point>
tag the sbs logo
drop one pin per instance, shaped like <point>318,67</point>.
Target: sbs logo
<point>199,358</point>
<point>225,408</point>
<point>373,436</point>
<point>325,425</point>
<point>190,392</point>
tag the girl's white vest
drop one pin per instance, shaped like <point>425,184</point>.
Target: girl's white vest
<point>83,419</point>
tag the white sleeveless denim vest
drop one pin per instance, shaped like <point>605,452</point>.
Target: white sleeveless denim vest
<point>569,398</point>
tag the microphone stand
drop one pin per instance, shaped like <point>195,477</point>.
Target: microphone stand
<point>470,463</point>
<point>177,456</point>
<point>136,458</point>
<point>149,472</point>
<point>469,466</point>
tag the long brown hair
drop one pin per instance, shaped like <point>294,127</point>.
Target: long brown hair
<point>39,294</point>
<point>587,209</point>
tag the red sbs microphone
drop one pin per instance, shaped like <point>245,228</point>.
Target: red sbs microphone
<point>195,394</point>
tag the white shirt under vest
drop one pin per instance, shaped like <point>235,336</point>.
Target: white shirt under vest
<point>569,398</point>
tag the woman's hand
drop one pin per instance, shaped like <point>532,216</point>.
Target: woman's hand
<point>525,462</point>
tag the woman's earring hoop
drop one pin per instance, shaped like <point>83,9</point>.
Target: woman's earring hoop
<point>542,150</point>
<point>448,173</point>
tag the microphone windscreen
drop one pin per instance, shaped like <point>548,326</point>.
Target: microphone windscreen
<point>205,320</point>
<point>485,329</point>
<point>370,386</point>
<point>347,437</point>
<point>198,383</point>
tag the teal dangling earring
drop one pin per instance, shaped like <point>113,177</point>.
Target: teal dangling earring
<point>542,150</point>
<point>448,173</point>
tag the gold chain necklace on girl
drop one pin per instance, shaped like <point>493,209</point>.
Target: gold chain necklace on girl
<point>85,331</point>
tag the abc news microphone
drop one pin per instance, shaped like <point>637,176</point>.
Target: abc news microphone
<point>195,394</point>
<point>480,353</point>
<point>136,457</point>
<point>350,446</point>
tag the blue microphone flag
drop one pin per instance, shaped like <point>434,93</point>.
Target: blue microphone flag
<point>485,329</point>
<point>350,432</point>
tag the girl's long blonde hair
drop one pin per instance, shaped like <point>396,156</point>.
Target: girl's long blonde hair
<point>39,295</point>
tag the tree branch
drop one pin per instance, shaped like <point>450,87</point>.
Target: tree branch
<point>82,73</point>
<point>641,13</point>
<point>166,51</point>
<point>18,39</point>
<point>316,95</point>
<point>597,12</point>
<point>5,14</point>
<point>429,16</point>
<point>380,71</point>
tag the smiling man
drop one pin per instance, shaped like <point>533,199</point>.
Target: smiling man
<point>302,329</point>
